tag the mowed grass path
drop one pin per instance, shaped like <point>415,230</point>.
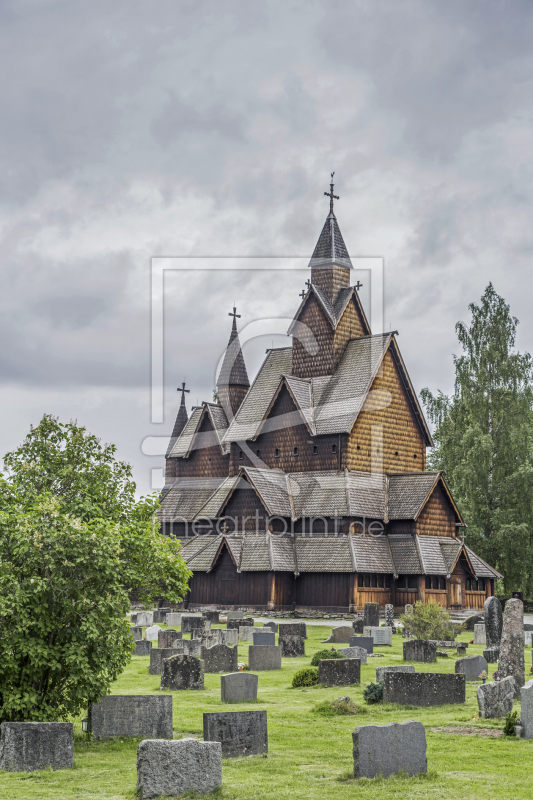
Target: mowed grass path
<point>310,756</point>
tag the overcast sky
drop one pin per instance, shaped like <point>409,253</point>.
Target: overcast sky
<point>133,129</point>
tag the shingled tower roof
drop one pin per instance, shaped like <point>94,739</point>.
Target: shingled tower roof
<point>181,421</point>
<point>330,248</point>
<point>233,371</point>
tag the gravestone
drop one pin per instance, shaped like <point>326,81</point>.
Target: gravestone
<point>292,646</point>
<point>362,641</point>
<point>142,648</point>
<point>474,619</point>
<point>495,699</point>
<point>133,619</point>
<point>386,750</point>
<point>136,632</point>
<point>173,618</point>
<point>172,768</point>
<point>264,657</point>
<point>380,671</point>
<point>272,625</point>
<point>527,638</point>
<point>182,672</point>
<point>151,633</point>
<point>423,688</point>
<point>235,624</point>
<point>132,715</point>
<point>29,746</point>
<point>479,634</point>
<point>212,616</point>
<point>230,637</point>
<point>354,652</point>
<point>184,647</point>
<point>340,635</point>
<point>511,660</point>
<point>491,654</point>
<point>262,638</point>
<point>471,666</point>
<point>358,625</point>
<point>235,615</point>
<point>160,614</point>
<point>241,733</point>
<point>238,687</point>
<point>167,637</point>
<point>492,612</point>
<point>293,629</point>
<point>246,634</point>
<point>461,651</point>
<point>220,658</point>
<point>157,656</point>
<point>380,636</point>
<point>371,615</point>
<point>389,615</point>
<point>408,609</point>
<point>190,621</point>
<point>145,619</point>
<point>526,711</point>
<point>420,650</point>
<point>339,671</point>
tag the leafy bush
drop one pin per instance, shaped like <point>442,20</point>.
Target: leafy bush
<point>342,706</point>
<point>429,621</point>
<point>323,654</point>
<point>374,693</point>
<point>510,721</point>
<point>308,676</point>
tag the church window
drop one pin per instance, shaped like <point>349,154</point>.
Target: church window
<point>241,455</point>
<point>468,585</point>
<point>396,453</point>
<point>482,584</point>
<point>258,453</point>
<point>407,582</point>
<point>414,455</point>
<point>358,447</point>
<point>428,581</point>
<point>295,452</point>
<point>315,450</point>
<point>333,448</point>
<point>276,452</point>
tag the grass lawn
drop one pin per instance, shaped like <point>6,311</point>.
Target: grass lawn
<point>310,756</point>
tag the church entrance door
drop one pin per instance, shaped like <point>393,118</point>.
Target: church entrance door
<point>226,580</point>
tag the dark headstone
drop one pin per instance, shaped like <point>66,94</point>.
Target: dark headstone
<point>263,638</point>
<point>136,632</point>
<point>339,671</point>
<point>160,615</point>
<point>371,615</point>
<point>241,733</point>
<point>423,688</point>
<point>212,616</point>
<point>493,617</point>
<point>293,629</point>
<point>156,658</point>
<point>380,671</point>
<point>235,624</point>
<point>238,687</point>
<point>511,660</point>
<point>495,699</point>
<point>167,637</point>
<point>384,750</point>
<point>220,658</point>
<point>475,619</point>
<point>420,650</point>
<point>142,648</point>
<point>188,622</point>
<point>491,654</point>
<point>362,641</point>
<point>146,715</point>
<point>169,769</point>
<point>471,666</point>
<point>292,646</point>
<point>358,625</point>
<point>29,746</point>
<point>264,657</point>
<point>182,672</point>
<point>272,625</point>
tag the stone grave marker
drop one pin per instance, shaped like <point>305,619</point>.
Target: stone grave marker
<point>479,634</point>
<point>389,749</point>
<point>173,618</point>
<point>173,768</point>
<point>167,637</point>
<point>491,654</point>
<point>145,619</point>
<point>389,615</point>
<point>461,650</point>
<point>142,648</point>
<point>511,660</point>
<point>471,666</point>
<point>184,647</point>
<point>212,616</point>
<point>132,715</point>
<point>358,625</point>
<point>366,642</point>
<point>246,634</point>
<point>495,699</point>
<point>29,746</point>
<point>136,632</point>
<point>380,636</point>
<point>229,637</point>
<point>423,688</point>
<point>272,625</point>
<point>182,672</point>
<point>292,646</point>
<point>264,657</point>
<point>527,638</point>
<point>492,612</point>
<point>420,650</point>
<point>293,629</point>
<point>235,615</point>
<point>238,687</point>
<point>380,671</point>
<point>160,614</point>
<point>340,635</point>
<point>157,656</point>
<point>235,624</point>
<point>354,652</point>
<point>371,615</point>
<point>190,621</point>
<point>133,619</point>
<point>151,633</point>
<point>408,609</point>
<point>339,671</point>
<point>526,711</point>
<point>220,658</point>
<point>263,638</point>
<point>241,733</point>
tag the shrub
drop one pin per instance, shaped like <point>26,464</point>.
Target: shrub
<point>374,693</point>
<point>308,676</point>
<point>429,621</point>
<point>322,654</point>
<point>510,721</point>
<point>342,706</point>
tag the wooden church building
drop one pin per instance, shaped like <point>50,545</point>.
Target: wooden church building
<point>308,489</point>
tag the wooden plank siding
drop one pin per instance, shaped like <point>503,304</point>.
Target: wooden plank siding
<point>324,589</point>
<point>437,517</point>
<point>206,460</point>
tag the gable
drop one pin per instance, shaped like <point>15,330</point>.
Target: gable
<point>350,326</point>
<point>438,516</point>
<point>244,509</point>
<point>312,343</point>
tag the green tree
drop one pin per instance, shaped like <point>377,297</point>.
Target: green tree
<point>483,440</point>
<point>429,621</point>
<point>71,551</point>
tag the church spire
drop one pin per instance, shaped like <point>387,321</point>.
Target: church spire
<point>233,383</point>
<point>330,263</point>
<point>181,419</point>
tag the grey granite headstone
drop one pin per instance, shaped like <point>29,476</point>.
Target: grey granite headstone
<point>340,635</point>
<point>461,651</point>
<point>132,715</point>
<point>358,625</point>
<point>172,768</point>
<point>479,634</point>
<point>495,699</point>
<point>526,711</point>
<point>212,616</point>
<point>264,657</point>
<point>160,615</point>
<point>423,688</point>
<point>173,618</point>
<point>235,624</point>
<point>142,648</point>
<point>235,615</point>
<point>167,637</point>
<point>511,660</point>
<point>389,615</point>
<point>272,625</point>
<point>339,671</point>
<point>472,620</point>
<point>136,632</point>
<point>492,611</point>
<point>145,619</point>
<point>187,647</point>
<point>528,638</point>
<point>190,621</point>
<point>491,654</point>
<point>182,672</point>
<point>246,634</point>
<point>220,658</point>
<point>420,650</point>
<point>241,733</point>
<point>471,666</point>
<point>157,656</point>
<point>371,615</point>
<point>238,687</point>
<point>380,636</point>
<point>354,652</point>
<point>380,671</point>
<point>362,641</point>
<point>29,746</point>
<point>292,646</point>
<point>229,637</point>
<point>133,619</point>
<point>293,629</point>
<point>262,639</point>
<point>389,749</point>
<point>151,634</point>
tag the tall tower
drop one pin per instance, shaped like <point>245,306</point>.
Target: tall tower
<point>179,424</point>
<point>233,383</point>
<point>330,263</point>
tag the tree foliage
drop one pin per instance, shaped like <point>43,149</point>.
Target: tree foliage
<point>484,437</point>
<point>73,545</point>
<point>429,621</point>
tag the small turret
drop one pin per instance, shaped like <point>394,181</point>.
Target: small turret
<point>233,383</point>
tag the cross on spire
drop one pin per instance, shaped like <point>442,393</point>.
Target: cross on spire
<point>308,283</point>
<point>331,195</point>
<point>358,285</point>
<point>302,294</point>
<point>235,317</point>
<point>183,390</point>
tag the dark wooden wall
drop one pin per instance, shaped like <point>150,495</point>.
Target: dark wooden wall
<point>245,502</point>
<point>225,586</point>
<point>324,589</point>
<point>206,460</point>
<point>437,517</point>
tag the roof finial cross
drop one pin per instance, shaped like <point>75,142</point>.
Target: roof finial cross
<point>308,283</point>
<point>302,294</point>
<point>183,390</point>
<point>358,285</point>
<point>235,317</point>
<point>331,195</point>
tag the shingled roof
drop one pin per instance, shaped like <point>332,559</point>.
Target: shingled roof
<point>333,311</point>
<point>330,248</point>
<point>233,370</point>
<point>179,424</point>
<point>190,439</point>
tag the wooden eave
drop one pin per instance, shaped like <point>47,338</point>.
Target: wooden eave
<point>206,410</point>
<point>462,550</point>
<point>283,382</point>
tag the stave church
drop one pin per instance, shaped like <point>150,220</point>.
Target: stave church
<point>308,488</point>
